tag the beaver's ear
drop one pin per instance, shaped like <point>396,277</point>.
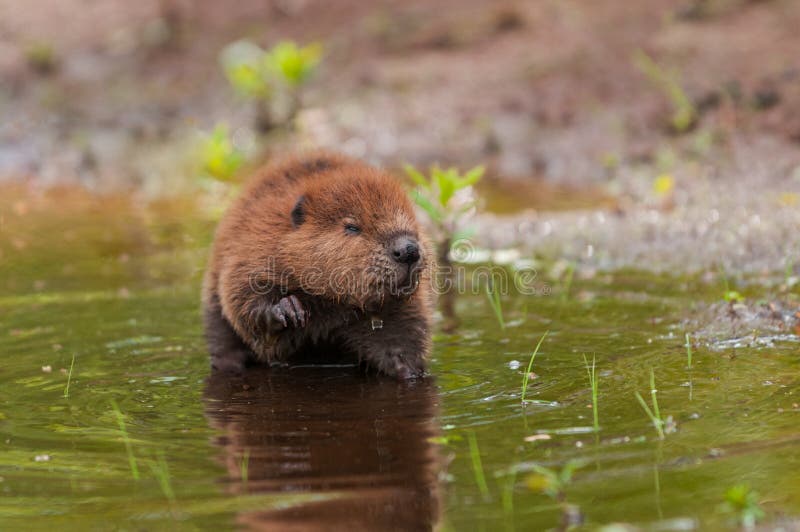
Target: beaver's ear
<point>299,213</point>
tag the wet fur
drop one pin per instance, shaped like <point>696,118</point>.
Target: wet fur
<point>285,236</point>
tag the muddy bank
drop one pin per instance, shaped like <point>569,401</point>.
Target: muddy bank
<point>740,215</point>
<point>122,105</point>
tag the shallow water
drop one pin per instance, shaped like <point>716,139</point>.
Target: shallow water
<point>116,286</point>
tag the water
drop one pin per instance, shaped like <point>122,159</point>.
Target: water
<point>116,286</point>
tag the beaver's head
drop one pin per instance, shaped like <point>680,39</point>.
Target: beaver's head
<point>355,238</point>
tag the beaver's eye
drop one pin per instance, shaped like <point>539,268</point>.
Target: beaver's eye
<point>352,229</point>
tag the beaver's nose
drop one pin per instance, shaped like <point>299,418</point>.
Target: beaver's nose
<point>405,250</point>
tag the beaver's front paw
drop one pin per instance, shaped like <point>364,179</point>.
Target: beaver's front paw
<point>396,362</point>
<point>288,311</point>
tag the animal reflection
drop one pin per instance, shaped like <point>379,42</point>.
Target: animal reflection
<point>364,441</point>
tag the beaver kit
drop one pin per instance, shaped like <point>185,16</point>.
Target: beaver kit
<point>320,256</point>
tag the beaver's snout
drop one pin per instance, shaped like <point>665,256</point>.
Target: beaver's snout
<point>405,250</point>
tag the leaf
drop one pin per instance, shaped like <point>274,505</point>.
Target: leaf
<point>732,296</point>
<point>221,159</point>
<point>569,469</point>
<point>416,176</point>
<point>242,63</point>
<point>426,205</point>
<point>471,177</point>
<point>446,185</point>
<point>294,65</point>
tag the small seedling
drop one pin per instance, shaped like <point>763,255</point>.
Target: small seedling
<point>732,296</point>
<point>526,377</point>
<point>493,295</point>
<point>591,370</point>
<point>262,76</point>
<point>128,447</point>
<point>684,114</point>
<point>220,157</point>
<point>742,503</point>
<point>551,482</point>
<point>243,64</point>
<point>69,377</point>
<point>435,194</point>
<point>688,351</point>
<point>729,295</point>
<point>294,65</point>
<point>477,465</point>
<point>654,414</point>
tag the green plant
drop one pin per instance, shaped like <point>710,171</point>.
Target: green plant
<point>434,195</point>
<point>477,465</point>
<point>729,295</point>
<point>508,492</point>
<point>526,377</point>
<point>243,63</point>
<point>732,296</point>
<point>445,440</point>
<point>128,447</point>
<point>591,370</point>
<point>688,351</point>
<point>264,75</point>
<point>294,65</point>
<point>684,114</point>
<point>493,295</point>
<point>551,482</point>
<point>654,414</point>
<point>742,502</point>
<point>69,377</point>
<point>244,465</point>
<point>567,283</point>
<point>160,469</point>
<point>42,57</point>
<point>221,159</point>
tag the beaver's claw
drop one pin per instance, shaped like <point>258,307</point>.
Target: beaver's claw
<point>289,311</point>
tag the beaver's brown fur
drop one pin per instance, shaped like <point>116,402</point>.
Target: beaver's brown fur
<point>320,255</point>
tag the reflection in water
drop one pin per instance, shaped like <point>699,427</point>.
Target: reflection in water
<point>332,431</point>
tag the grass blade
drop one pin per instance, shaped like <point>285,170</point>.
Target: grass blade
<point>477,465</point>
<point>494,301</point>
<point>591,370</point>
<point>527,375</point>
<point>653,419</point>
<point>688,351</point>
<point>160,470</point>
<point>653,397</point>
<point>126,439</point>
<point>69,377</point>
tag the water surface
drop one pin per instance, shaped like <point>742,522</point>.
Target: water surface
<point>111,289</point>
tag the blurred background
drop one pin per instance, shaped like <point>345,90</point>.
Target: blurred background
<point>571,105</point>
<point>602,105</point>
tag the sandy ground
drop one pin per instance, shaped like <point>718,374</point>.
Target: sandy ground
<point>544,92</point>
